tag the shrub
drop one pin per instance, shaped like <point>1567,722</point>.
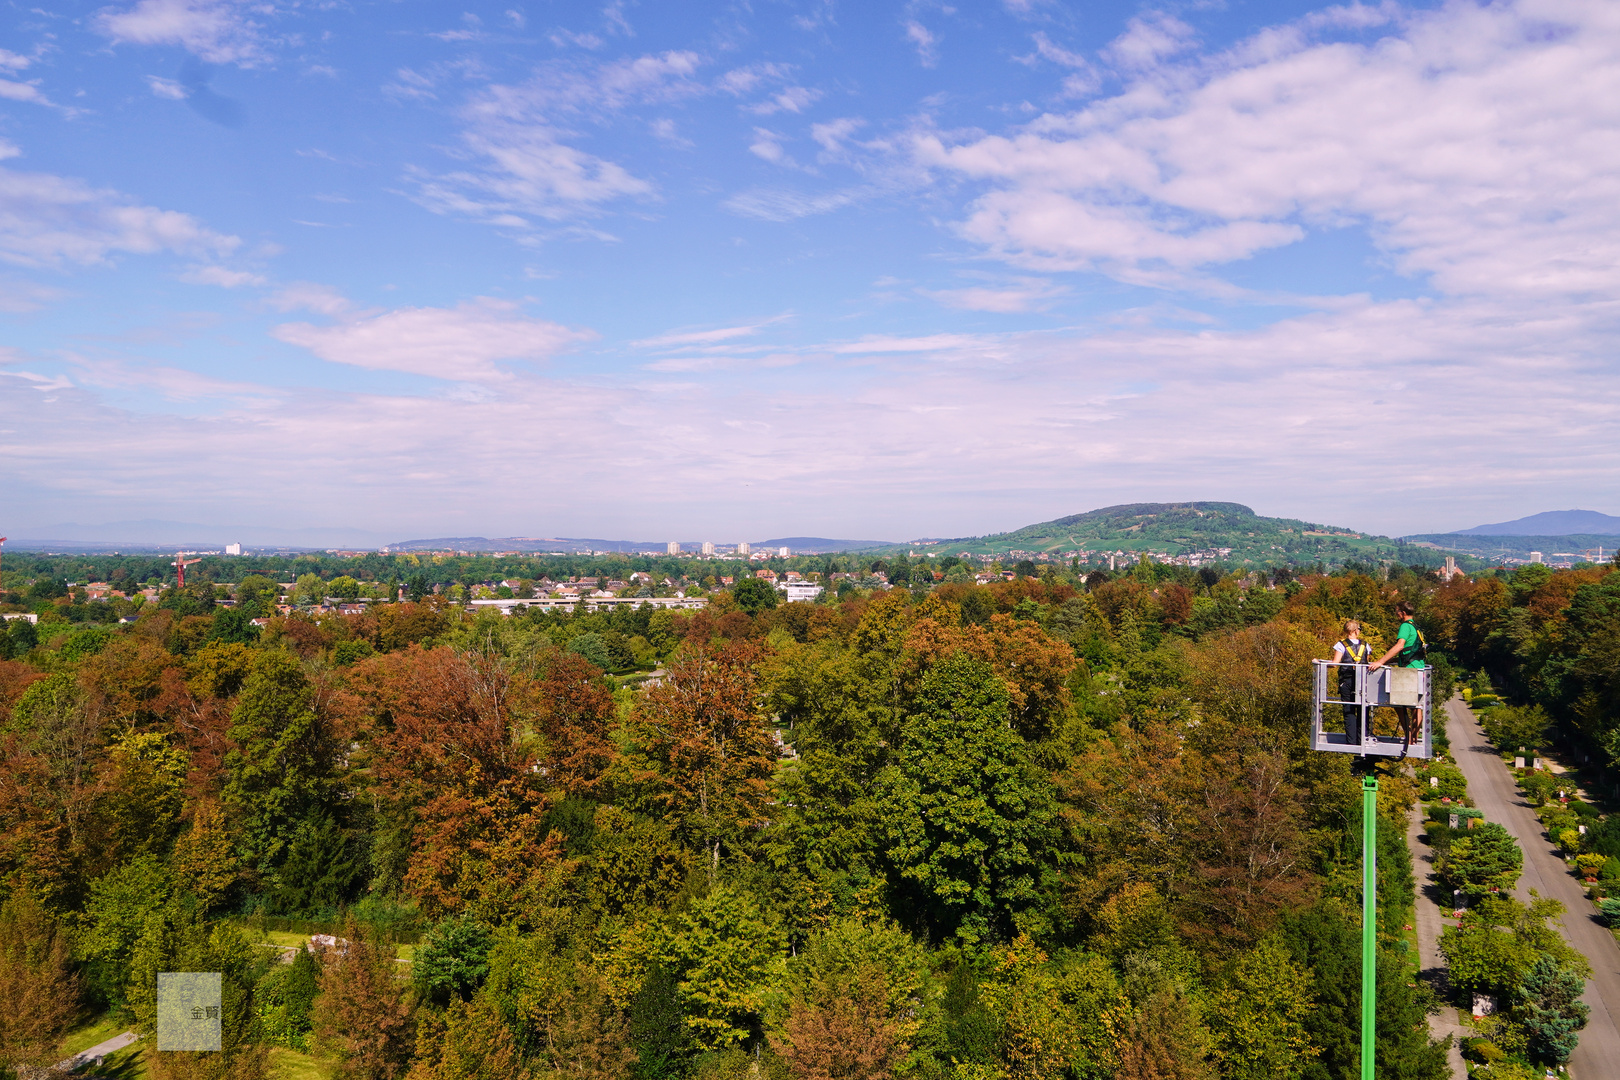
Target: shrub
<point>1609,911</point>
<point>1482,1051</point>
<point>1451,784</point>
<point>1589,865</point>
<point>1537,786</point>
<point>1604,837</point>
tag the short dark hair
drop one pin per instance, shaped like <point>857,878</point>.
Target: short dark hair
<point>1405,608</point>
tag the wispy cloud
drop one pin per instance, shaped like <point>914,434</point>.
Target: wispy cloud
<point>218,31</point>
<point>460,344</point>
<point>1020,295</point>
<point>528,166</point>
<point>48,220</point>
<point>686,338</point>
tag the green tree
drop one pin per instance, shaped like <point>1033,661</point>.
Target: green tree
<point>310,589</point>
<point>966,820</point>
<point>1552,1011</point>
<point>1261,1015</point>
<point>1484,860</point>
<point>731,958</point>
<point>121,901</point>
<point>754,595</point>
<point>178,941</point>
<point>280,773</point>
<point>592,648</point>
<point>257,595</point>
<point>344,586</point>
<point>233,625</point>
<point>1500,939</point>
<point>453,961</point>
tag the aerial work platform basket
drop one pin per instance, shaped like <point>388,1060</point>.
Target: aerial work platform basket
<point>1351,724</point>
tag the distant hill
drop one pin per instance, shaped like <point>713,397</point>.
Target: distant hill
<point>1184,529</point>
<point>1551,523</point>
<point>570,545</point>
<point>156,534</point>
<point>1556,550</point>
<point>804,545</point>
<point>818,545</point>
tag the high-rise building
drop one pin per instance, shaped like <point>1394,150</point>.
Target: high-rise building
<point>233,549</point>
<point>674,547</point>
<point>1535,556</point>
<point>743,548</point>
<point>708,547</point>
<point>783,552</point>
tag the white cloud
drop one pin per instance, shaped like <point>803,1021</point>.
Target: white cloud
<point>925,42</point>
<point>309,296</point>
<point>781,205</point>
<point>459,344</point>
<point>42,383</point>
<point>529,168</point>
<point>794,99</point>
<point>14,61</point>
<point>664,130</point>
<point>167,88</point>
<point>48,220</point>
<point>218,31</point>
<point>768,146</point>
<point>704,338</point>
<point>219,275</point>
<point>1149,39</point>
<point>22,91</point>
<point>1085,78</point>
<point>1477,147</point>
<point>1026,294</point>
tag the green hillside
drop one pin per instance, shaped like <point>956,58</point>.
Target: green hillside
<point>1229,532</point>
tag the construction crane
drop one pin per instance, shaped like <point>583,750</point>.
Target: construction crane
<point>181,562</point>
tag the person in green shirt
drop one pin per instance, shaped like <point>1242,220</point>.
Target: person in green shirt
<point>1406,652</point>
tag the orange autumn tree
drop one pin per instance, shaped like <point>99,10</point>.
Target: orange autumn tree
<point>458,781</point>
<point>702,758</point>
<point>577,716</point>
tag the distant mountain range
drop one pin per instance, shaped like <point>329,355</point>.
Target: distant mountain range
<point>801,545</point>
<point>1232,531</point>
<point>152,534</point>
<point>1551,523</point>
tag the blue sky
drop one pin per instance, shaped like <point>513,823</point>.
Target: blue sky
<point>878,270</point>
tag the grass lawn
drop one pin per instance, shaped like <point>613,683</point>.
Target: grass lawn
<point>93,1030</point>
<point>288,1064</point>
<point>127,1064</point>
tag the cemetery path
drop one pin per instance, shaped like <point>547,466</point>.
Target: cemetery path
<point>1495,792</point>
<point>96,1052</point>
<point>1430,920</point>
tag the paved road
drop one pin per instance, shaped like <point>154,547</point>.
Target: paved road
<point>97,1052</point>
<point>1495,792</point>
<point>1430,922</point>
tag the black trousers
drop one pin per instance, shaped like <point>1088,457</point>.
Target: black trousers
<point>1352,713</point>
